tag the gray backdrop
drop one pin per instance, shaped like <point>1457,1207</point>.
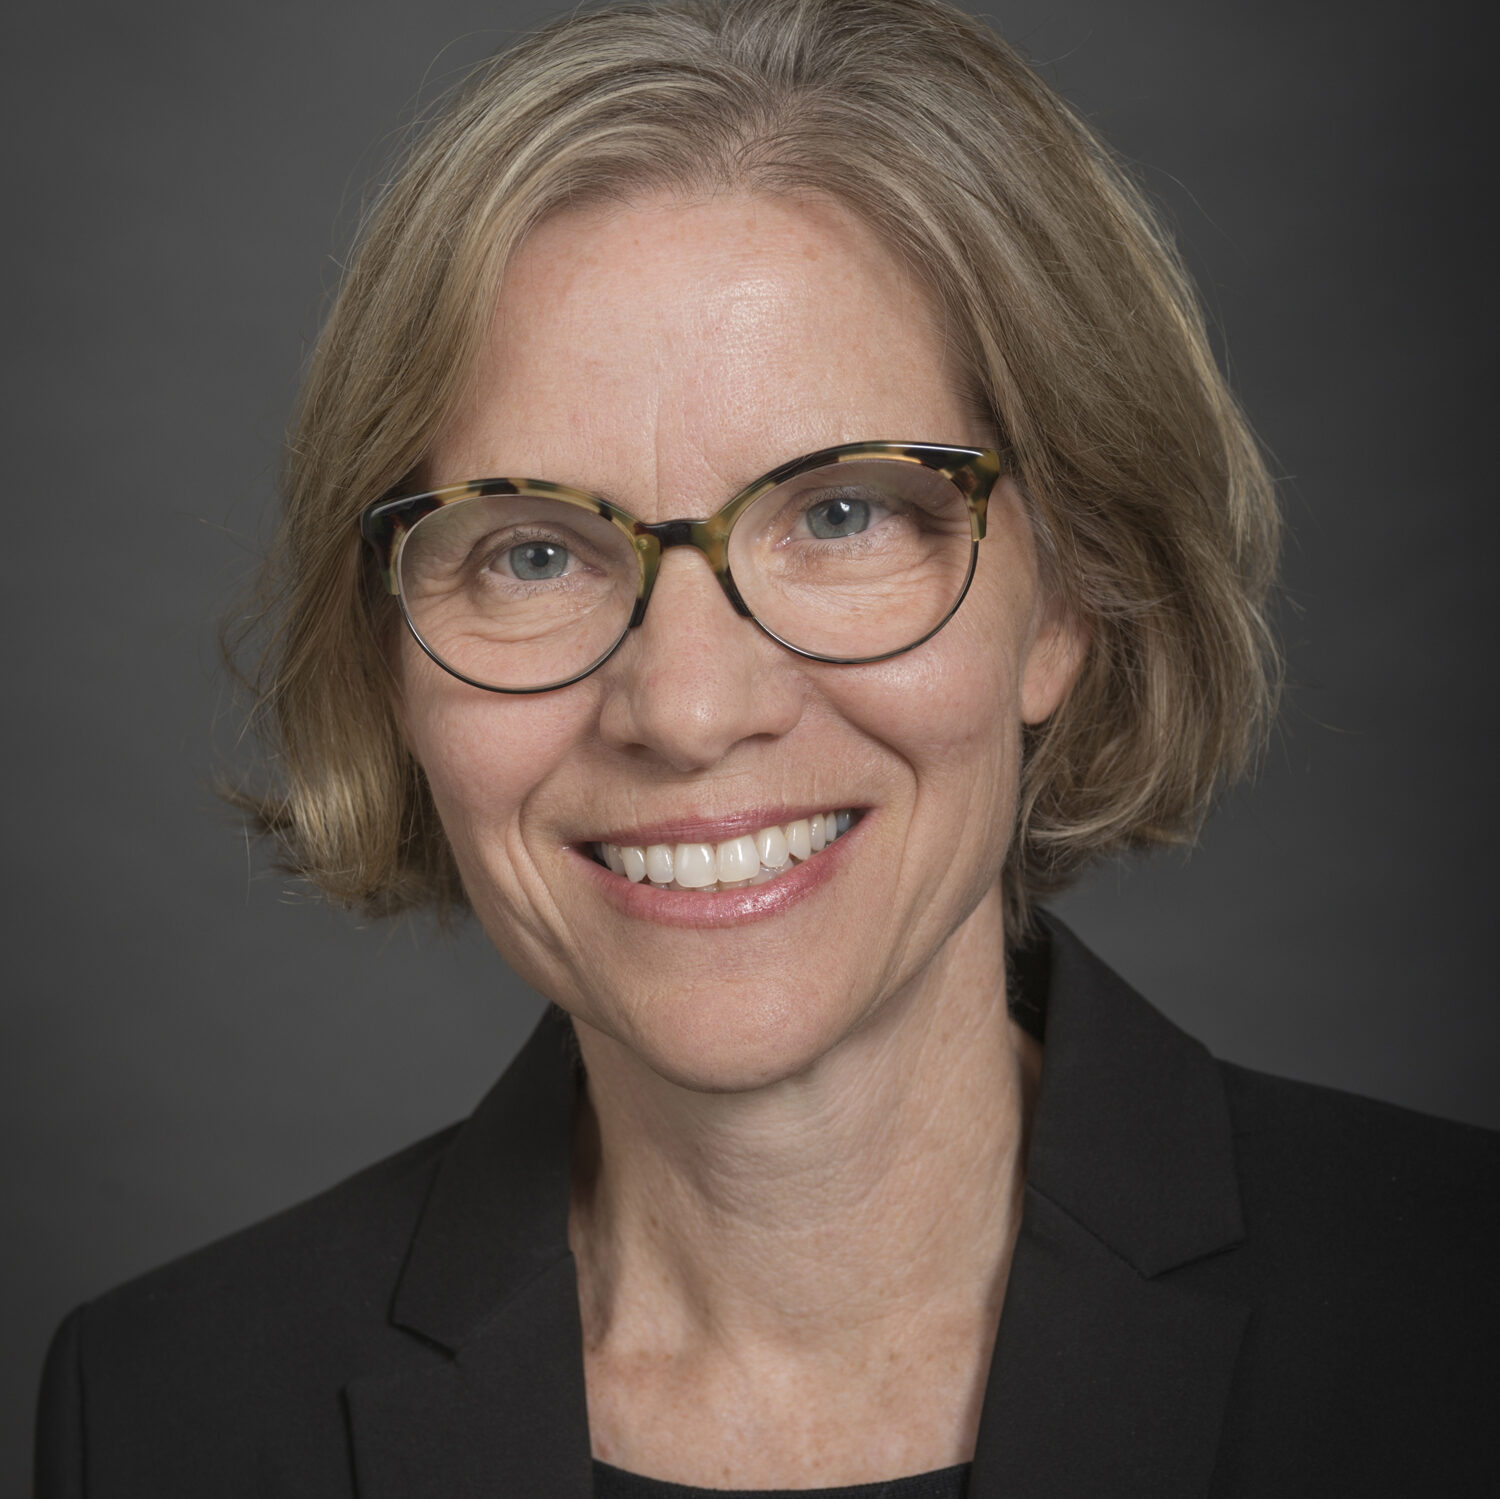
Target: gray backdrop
<point>189,1044</point>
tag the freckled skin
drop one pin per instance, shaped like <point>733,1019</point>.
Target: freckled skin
<point>773,1076</point>
<point>663,358</point>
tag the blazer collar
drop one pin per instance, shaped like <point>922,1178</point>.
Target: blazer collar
<point>1105,1378</point>
<point>1131,1135</point>
<point>497,1216</point>
<point>489,1279</point>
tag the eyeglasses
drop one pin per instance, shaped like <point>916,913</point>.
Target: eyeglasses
<point>851,554</point>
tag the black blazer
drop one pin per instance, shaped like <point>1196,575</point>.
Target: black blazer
<point>1224,1284</point>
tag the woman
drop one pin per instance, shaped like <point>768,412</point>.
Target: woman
<point>783,1194</point>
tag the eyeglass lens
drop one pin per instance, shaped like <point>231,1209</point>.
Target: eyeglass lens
<point>846,562</point>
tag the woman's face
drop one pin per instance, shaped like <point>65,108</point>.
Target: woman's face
<point>663,356</point>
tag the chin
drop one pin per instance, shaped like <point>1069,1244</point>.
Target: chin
<point>733,1038</point>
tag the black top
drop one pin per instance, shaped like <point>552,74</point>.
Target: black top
<point>1224,1284</point>
<point>946,1483</point>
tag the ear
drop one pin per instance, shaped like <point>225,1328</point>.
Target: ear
<point>1053,660</point>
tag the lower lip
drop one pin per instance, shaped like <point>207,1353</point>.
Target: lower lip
<point>719,908</point>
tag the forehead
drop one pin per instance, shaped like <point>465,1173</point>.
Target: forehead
<point>682,348</point>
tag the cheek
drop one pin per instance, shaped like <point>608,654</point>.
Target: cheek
<point>950,717</point>
<point>484,754</point>
<point>951,713</point>
<point>938,713</point>
<point>950,706</point>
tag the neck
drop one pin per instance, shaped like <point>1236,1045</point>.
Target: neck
<point>876,1192</point>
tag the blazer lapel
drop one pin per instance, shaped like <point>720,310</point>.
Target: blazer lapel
<point>507,1415</point>
<point>489,1287</point>
<point>1107,1377</point>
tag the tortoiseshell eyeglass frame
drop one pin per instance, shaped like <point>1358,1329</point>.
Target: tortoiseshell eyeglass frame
<point>386,523</point>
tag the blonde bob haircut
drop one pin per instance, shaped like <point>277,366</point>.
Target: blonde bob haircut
<point>1073,320</point>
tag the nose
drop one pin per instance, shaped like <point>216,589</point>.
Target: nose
<point>695,678</point>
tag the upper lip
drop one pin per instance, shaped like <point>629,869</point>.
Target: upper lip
<point>718,829</point>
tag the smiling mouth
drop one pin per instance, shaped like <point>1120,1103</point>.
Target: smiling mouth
<point>752,859</point>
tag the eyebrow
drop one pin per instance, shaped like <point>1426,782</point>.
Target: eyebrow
<point>610,497</point>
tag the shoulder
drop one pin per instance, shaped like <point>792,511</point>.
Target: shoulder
<point>232,1358</point>
<point>1336,1166</point>
<point>1368,1268</point>
<point>1374,1222</point>
<point>234,1370</point>
<point>334,1249</point>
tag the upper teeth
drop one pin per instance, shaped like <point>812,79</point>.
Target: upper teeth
<point>745,860</point>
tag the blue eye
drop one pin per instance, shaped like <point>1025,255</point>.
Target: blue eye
<point>828,520</point>
<point>536,561</point>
